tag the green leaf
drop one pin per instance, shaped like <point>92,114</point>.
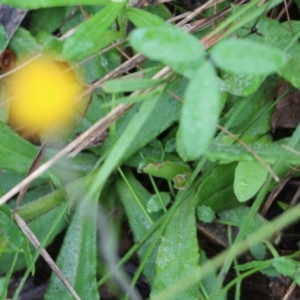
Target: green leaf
<point>77,257</point>
<point>170,45</point>
<point>88,34</point>
<point>54,17</point>
<point>130,85</point>
<point>26,4</point>
<point>141,18</point>
<point>238,215</point>
<point>270,153</point>
<point>139,219</point>
<point>216,190</point>
<point>165,113</point>
<point>242,85</point>
<point>9,228</point>
<point>23,44</point>
<point>276,34</point>
<point>285,266</point>
<point>158,202</point>
<point>16,154</point>
<point>205,214</point>
<point>3,39</point>
<point>241,56</point>
<point>248,179</point>
<point>178,253</point>
<point>167,170</point>
<point>200,113</point>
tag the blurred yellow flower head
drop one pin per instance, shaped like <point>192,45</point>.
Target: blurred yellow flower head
<point>44,95</point>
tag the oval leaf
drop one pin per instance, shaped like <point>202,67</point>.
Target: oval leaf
<point>200,113</point>
<point>248,179</point>
<point>240,56</point>
<point>170,45</point>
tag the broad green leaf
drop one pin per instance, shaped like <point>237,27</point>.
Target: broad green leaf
<point>130,85</point>
<point>241,56</point>
<point>158,202</point>
<point>216,190</point>
<point>9,228</point>
<point>200,113</point>
<point>3,39</point>
<point>248,179</point>
<point>139,219</point>
<point>178,253</point>
<point>54,17</point>
<point>170,45</point>
<point>88,34</point>
<point>77,257</point>
<point>167,170</point>
<point>142,18</point>
<point>205,214</point>
<point>16,154</point>
<point>23,44</point>
<point>26,4</point>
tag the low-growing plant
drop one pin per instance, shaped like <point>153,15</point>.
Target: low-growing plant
<point>175,128</point>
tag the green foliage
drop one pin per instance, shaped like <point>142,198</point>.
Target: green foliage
<point>205,214</point>
<point>200,113</point>
<point>178,252</point>
<point>51,3</point>
<point>248,179</point>
<point>245,57</point>
<point>3,39</point>
<point>77,258</point>
<point>165,162</point>
<point>172,46</point>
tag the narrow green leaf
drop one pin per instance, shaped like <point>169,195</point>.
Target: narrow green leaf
<point>51,3</point>
<point>241,56</point>
<point>77,257</point>
<point>248,179</point>
<point>170,45</point>
<point>142,18</point>
<point>3,39</point>
<point>130,85</point>
<point>178,253</point>
<point>200,113</point>
<point>88,34</point>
